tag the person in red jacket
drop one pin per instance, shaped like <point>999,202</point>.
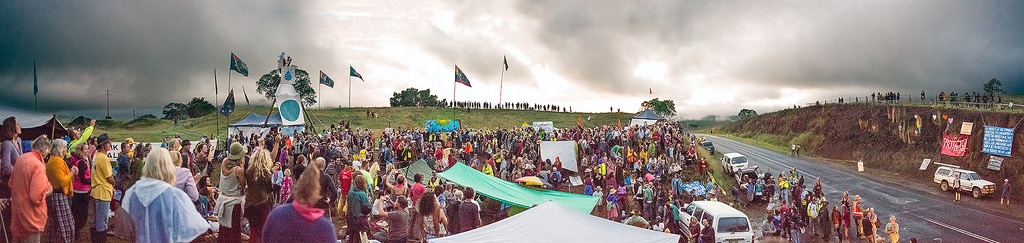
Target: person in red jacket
<point>345,183</point>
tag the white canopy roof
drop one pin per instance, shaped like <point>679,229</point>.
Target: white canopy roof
<point>551,222</point>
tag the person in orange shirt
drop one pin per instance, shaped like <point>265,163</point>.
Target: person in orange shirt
<point>29,190</point>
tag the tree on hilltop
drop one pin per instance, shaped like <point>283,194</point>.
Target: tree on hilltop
<point>993,86</point>
<point>413,97</point>
<point>664,108</point>
<point>745,113</point>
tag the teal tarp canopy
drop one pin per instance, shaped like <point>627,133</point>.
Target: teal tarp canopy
<point>513,193</point>
<point>421,167</point>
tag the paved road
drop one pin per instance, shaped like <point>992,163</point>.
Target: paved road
<point>921,212</point>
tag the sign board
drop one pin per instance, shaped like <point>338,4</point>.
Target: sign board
<point>576,180</point>
<point>997,141</point>
<point>924,164</point>
<point>860,166</point>
<point>966,128</point>
<point>954,146</point>
<point>546,126</point>
<point>995,162</point>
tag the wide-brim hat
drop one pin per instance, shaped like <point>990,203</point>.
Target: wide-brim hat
<point>237,151</point>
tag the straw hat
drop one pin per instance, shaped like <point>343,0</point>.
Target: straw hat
<point>612,191</point>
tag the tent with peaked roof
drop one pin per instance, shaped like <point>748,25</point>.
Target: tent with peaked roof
<point>553,222</point>
<point>254,123</point>
<point>420,166</point>
<point>34,124</point>
<point>644,118</point>
<point>512,193</point>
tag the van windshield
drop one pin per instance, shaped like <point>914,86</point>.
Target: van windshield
<point>733,225</point>
<point>739,160</point>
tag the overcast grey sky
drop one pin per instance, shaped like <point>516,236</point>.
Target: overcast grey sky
<point>710,57</point>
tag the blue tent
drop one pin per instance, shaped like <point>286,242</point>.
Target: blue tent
<point>646,117</point>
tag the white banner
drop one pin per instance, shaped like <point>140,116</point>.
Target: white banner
<point>565,151</point>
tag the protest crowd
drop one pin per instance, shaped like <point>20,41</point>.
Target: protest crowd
<point>280,188</point>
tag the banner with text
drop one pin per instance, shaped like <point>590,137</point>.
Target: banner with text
<point>997,141</point>
<point>954,146</point>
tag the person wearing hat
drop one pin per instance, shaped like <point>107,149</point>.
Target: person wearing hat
<point>188,158</point>
<point>102,188</point>
<point>636,220</point>
<point>229,204</point>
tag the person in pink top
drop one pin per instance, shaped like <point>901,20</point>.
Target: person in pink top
<point>80,184</point>
<point>418,189</point>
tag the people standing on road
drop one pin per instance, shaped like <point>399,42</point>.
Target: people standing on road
<point>865,227</point>
<point>892,229</point>
<point>1005,195</point>
<point>874,221</point>
<point>858,215</point>
<point>102,188</point>
<point>956,187</point>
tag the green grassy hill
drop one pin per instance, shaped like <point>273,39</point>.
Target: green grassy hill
<point>404,117</point>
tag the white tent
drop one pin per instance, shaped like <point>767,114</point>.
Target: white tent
<point>644,118</point>
<point>552,222</point>
<point>258,124</point>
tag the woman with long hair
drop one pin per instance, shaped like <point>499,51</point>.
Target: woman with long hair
<point>358,210</point>
<point>156,206</point>
<point>257,193</point>
<point>229,202</point>
<point>9,152</point>
<point>300,220</point>
<point>433,218</point>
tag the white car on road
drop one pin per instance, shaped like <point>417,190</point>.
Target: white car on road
<point>970,181</point>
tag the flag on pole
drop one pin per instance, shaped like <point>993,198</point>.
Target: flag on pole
<point>238,65</point>
<point>352,72</point>
<point>460,77</point>
<point>229,104</point>
<point>506,62</point>
<point>650,91</point>
<point>35,79</point>
<point>620,123</point>
<point>246,96</point>
<point>325,80</point>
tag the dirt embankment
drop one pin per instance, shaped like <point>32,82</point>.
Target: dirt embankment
<point>889,138</point>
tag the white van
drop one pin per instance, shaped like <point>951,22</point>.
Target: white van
<point>731,225</point>
<point>733,162</point>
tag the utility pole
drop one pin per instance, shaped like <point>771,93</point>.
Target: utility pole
<point>108,104</point>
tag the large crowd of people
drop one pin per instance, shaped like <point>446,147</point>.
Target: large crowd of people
<point>279,188</point>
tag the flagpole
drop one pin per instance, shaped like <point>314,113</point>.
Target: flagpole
<point>350,90</point>
<point>501,85</point>
<point>321,91</point>
<point>453,95</point>
<point>216,97</point>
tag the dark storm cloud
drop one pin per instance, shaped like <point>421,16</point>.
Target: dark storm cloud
<point>883,45</point>
<point>146,53</point>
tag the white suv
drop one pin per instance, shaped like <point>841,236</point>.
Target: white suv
<point>970,181</point>
<point>733,162</point>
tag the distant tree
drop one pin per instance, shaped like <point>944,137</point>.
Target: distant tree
<point>147,116</point>
<point>412,97</point>
<point>175,111</point>
<point>710,118</point>
<point>199,107</point>
<point>747,113</point>
<point>993,86</point>
<point>267,85</point>
<point>665,108</point>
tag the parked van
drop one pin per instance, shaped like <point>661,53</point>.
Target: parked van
<point>731,225</point>
<point>733,162</point>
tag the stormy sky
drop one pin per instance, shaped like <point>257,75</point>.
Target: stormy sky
<point>710,57</point>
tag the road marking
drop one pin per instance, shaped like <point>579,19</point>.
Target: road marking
<point>962,231</point>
